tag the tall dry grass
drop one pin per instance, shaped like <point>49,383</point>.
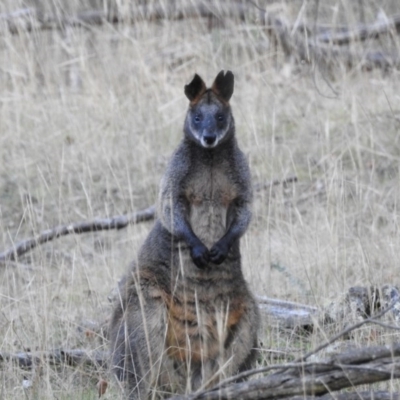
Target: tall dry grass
<point>88,120</point>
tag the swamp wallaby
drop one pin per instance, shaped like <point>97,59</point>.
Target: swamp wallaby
<point>185,317</point>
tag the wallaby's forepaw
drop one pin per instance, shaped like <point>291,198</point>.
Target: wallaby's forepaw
<point>200,255</point>
<point>219,252</point>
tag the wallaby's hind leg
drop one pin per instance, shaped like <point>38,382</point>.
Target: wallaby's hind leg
<point>238,351</point>
<point>137,338</point>
<point>240,347</point>
<point>243,349</point>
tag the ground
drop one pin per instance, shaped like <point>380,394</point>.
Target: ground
<point>88,120</point>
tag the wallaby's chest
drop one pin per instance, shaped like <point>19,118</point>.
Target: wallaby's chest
<point>210,185</point>
<point>210,191</point>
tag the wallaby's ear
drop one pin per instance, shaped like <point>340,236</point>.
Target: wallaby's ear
<point>223,85</point>
<point>195,88</point>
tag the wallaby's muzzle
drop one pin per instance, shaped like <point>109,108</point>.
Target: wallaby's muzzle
<point>209,140</point>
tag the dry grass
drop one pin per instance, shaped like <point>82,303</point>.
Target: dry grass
<point>88,120</point>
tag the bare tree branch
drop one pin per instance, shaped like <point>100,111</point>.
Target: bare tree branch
<point>117,222</point>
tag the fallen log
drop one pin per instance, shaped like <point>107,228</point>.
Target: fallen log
<point>288,314</point>
<point>361,33</point>
<point>31,19</point>
<point>362,366</point>
<point>318,49</point>
<point>72,357</point>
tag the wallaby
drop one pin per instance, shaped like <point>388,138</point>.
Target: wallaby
<point>185,317</point>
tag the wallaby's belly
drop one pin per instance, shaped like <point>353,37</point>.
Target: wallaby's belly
<point>208,221</point>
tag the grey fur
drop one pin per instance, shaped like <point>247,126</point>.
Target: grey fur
<point>185,317</point>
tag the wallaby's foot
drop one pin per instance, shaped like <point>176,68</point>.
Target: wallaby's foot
<point>200,255</point>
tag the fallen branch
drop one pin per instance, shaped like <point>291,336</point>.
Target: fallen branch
<point>322,44</point>
<point>288,314</point>
<point>101,224</point>
<point>364,395</point>
<point>362,366</point>
<point>361,33</point>
<point>73,357</point>
<point>30,19</point>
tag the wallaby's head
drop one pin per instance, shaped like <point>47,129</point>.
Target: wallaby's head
<point>209,120</point>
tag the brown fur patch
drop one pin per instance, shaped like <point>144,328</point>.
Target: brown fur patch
<point>196,339</point>
<point>218,95</point>
<point>235,315</point>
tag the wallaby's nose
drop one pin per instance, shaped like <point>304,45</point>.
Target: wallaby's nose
<point>209,139</point>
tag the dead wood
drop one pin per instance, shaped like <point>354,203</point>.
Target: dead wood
<point>362,366</point>
<point>363,395</point>
<point>316,44</point>
<point>30,19</point>
<point>100,224</point>
<point>288,314</point>
<point>304,47</point>
<point>357,395</point>
<point>72,357</point>
<point>303,42</point>
<point>361,33</point>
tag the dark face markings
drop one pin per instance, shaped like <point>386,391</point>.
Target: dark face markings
<point>209,123</point>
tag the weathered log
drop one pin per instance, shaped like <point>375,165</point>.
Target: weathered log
<point>357,395</point>
<point>288,314</point>
<point>362,366</point>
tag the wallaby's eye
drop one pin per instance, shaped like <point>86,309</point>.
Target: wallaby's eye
<point>197,118</point>
<point>220,117</point>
